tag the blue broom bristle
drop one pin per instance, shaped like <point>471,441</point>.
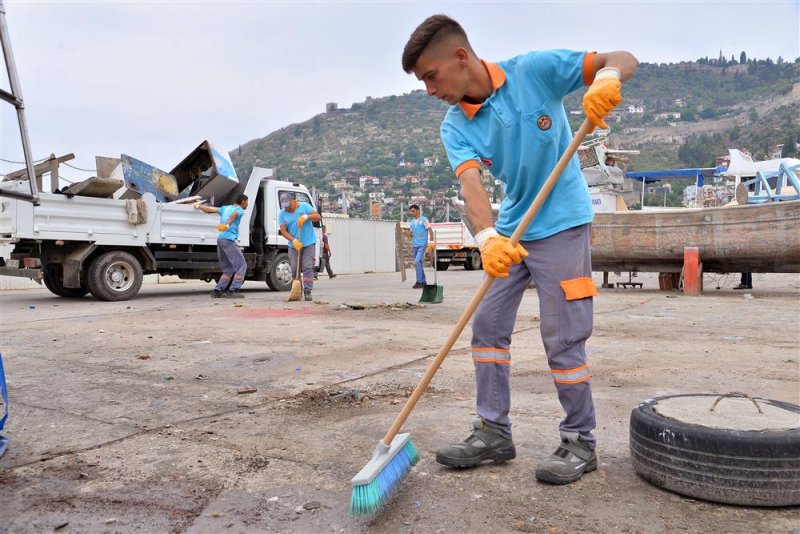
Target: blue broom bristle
<point>368,498</point>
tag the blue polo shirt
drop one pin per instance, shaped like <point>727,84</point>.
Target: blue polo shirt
<point>232,232</point>
<point>519,133</point>
<point>419,231</point>
<point>307,235</point>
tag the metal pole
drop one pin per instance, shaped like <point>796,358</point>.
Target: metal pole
<point>644,181</point>
<point>15,98</point>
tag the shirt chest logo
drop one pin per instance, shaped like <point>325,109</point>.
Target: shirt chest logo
<point>544,122</point>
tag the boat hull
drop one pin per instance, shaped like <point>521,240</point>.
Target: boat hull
<point>754,238</point>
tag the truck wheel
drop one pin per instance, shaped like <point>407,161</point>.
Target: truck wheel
<point>442,265</point>
<point>733,455</point>
<point>280,274</point>
<point>54,281</point>
<point>114,276</point>
<point>473,262</point>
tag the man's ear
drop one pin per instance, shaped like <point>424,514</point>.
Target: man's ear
<point>462,55</point>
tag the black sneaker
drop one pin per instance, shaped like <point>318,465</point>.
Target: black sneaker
<point>234,295</point>
<point>216,294</point>
<point>483,444</point>
<point>332,276</point>
<point>418,285</point>
<point>308,297</point>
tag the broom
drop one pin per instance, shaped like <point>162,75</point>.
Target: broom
<point>297,285</point>
<point>395,454</point>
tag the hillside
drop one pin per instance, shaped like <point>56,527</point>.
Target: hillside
<point>677,115</point>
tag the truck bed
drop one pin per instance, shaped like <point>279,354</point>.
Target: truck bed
<point>452,235</point>
<point>104,221</point>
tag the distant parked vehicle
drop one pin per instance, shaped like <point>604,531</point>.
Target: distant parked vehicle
<point>455,246</point>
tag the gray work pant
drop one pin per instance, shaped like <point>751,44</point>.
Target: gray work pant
<point>233,265</point>
<point>306,265</point>
<point>559,266</point>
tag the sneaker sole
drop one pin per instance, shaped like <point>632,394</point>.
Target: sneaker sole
<point>554,478</point>
<point>498,456</point>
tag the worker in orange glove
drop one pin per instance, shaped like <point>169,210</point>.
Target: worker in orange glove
<point>295,221</point>
<point>231,259</point>
<point>509,118</point>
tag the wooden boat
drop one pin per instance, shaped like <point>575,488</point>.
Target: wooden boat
<point>750,238</point>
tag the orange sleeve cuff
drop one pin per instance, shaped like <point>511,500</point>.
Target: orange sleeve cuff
<point>469,164</point>
<point>588,68</point>
<point>579,288</point>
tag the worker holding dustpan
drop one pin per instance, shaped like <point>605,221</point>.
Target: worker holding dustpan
<point>420,231</point>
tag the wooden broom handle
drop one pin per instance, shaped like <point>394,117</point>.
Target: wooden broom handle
<point>585,128</point>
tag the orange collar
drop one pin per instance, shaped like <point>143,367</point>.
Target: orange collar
<point>498,78</point>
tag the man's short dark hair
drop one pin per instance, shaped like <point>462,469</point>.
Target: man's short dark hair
<point>414,207</point>
<point>433,30</point>
<point>240,198</point>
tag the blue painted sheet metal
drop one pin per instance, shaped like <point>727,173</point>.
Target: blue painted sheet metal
<point>222,163</point>
<point>143,178</point>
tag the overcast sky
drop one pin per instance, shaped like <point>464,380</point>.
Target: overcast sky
<point>155,79</point>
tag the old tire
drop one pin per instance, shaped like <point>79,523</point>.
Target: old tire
<point>54,281</point>
<point>727,465</point>
<point>280,276</point>
<point>114,276</point>
<point>442,265</point>
<point>473,262</point>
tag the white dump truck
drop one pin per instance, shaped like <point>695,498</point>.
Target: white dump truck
<point>455,246</point>
<point>79,244</point>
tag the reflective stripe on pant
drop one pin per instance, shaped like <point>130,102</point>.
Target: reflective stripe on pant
<point>233,265</point>
<point>306,265</point>
<point>565,326</point>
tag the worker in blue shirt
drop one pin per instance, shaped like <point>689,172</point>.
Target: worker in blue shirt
<point>420,231</point>
<point>295,221</point>
<point>509,117</point>
<point>231,259</point>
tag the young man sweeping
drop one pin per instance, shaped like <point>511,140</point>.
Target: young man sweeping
<point>509,117</point>
<point>295,227</point>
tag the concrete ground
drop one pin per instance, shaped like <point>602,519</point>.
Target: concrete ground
<point>173,412</point>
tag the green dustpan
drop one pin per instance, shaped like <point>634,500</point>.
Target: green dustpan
<point>432,294</point>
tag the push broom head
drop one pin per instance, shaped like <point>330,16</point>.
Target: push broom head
<point>297,291</point>
<point>374,485</point>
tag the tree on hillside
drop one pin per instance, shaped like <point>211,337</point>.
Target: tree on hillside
<point>789,149</point>
<point>743,58</point>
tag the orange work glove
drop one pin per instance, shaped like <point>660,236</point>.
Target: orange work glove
<point>301,220</point>
<point>603,95</point>
<point>432,245</point>
<point>497,254</point>
<point>222,227</point>
<point>298,246</point>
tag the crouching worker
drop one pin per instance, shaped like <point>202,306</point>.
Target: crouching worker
<point>231,259</point>
<point>510,117</point>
